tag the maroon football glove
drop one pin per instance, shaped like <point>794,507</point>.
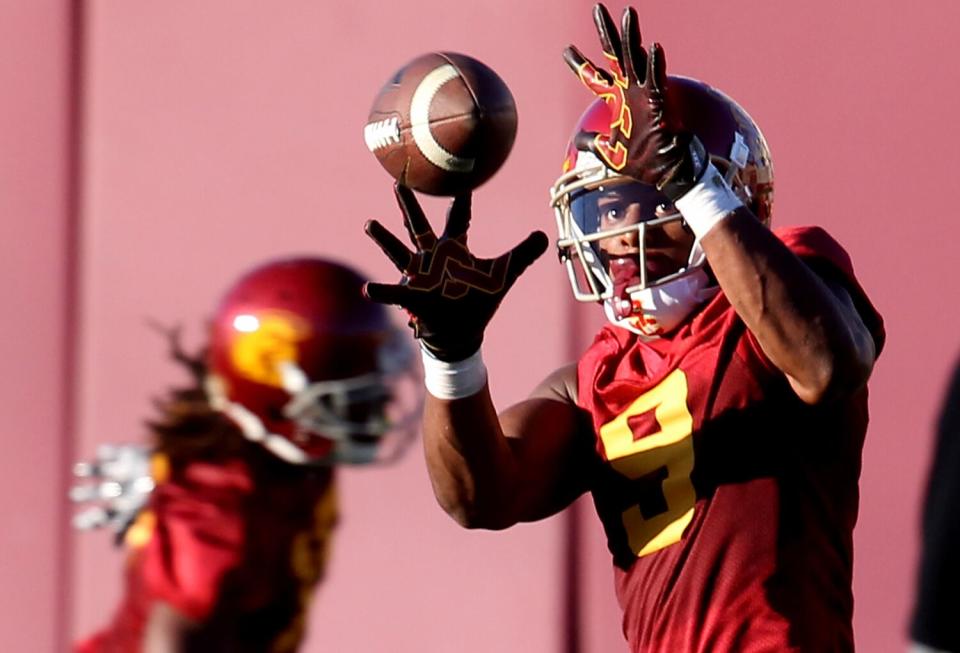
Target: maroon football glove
<point>640,144</point>
<point>449,293</point>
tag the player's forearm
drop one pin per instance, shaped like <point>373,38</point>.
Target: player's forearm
<point>471,466</point>
<point>806,330</point>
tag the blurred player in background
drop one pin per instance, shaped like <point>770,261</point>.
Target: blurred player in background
<point>718,420</point>
<point>935,627</point>
<point>227,519</point>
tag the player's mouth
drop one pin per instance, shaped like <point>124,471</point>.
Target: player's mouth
<point>625,273</point>
<point>659,265</point>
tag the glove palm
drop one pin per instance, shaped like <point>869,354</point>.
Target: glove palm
<point>449,293</point>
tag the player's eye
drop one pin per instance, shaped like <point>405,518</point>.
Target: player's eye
<point>612,213</point>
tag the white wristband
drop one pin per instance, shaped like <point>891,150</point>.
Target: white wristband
<point>707,203</point>
<point>453,380</point>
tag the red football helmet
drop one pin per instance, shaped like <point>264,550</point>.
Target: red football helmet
<point>737,149</point>
<point>308,367</point>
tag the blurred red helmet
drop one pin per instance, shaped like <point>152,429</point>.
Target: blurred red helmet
<point>735,145</point>
<point>308,367</point>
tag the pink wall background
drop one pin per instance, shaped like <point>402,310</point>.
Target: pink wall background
<point>36,261</point>
<point>218,134</point>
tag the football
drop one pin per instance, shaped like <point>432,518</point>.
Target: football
<point>444,121</point>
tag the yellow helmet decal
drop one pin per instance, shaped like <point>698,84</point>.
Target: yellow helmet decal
<point>263,342</point>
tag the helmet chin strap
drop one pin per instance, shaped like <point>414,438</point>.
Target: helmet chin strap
<point>252,427</point>
<point>660,309</point>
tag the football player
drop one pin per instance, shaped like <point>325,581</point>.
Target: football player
<point>717,420</point>
<point>301,374</point>
<point>934,627</point>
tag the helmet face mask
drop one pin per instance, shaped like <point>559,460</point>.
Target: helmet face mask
<point>361,419</point>
<point>622,242</point>
<point>608,223</point>
<point>308,368</point>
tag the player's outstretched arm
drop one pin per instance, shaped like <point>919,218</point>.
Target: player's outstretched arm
<point>487,470</point>
<point>491,471</point>
<point>806,324</point>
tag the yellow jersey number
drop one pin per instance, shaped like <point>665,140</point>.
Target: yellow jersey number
<point>309,555</point>
<point>663,459</point>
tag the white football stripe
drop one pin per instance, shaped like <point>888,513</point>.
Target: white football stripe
<point>381,133</point>
<point>420,121</point>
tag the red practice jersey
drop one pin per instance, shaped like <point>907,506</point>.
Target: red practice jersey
<point>728,504</point>
<point>238,544</point>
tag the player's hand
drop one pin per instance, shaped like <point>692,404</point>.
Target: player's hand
<point>116,486</point>
<point>449,293</point>
<point>640,144</point>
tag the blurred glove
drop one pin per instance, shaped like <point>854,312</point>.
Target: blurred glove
<point>640,143</point>
<point>118,485</point>
<point>449,294</point>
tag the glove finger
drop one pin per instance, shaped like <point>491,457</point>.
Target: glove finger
<point>609,36</point>
<point>395,250</point>
<point>586,141</point>
<point>387,293</point>
<point>634,54</point>
<point>110,489</point>
<point>574,58</point>
<point>607,149</point>
<point>657,68</point>
<point>91,518</point>
<point>86,469</point>
<point>82,493</point>
<point>414,218</point>
<point>528,251</point>
<point>595,79</point>
<point>458,217</point>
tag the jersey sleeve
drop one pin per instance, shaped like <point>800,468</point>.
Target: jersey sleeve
<point>199,536</point>
<point>827,257</point>
<point>816,246</point>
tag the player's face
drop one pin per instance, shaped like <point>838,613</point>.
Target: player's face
<point>666,245</point>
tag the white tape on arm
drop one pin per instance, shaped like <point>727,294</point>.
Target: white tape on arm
<point>707,203</point>
<point>453,380</point>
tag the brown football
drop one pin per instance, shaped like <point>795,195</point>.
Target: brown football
<point>445,118</point>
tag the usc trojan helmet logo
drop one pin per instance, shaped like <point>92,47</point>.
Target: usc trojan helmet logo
<point>267,343</point>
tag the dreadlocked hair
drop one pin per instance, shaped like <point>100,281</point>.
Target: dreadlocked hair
<point>186,426</point>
